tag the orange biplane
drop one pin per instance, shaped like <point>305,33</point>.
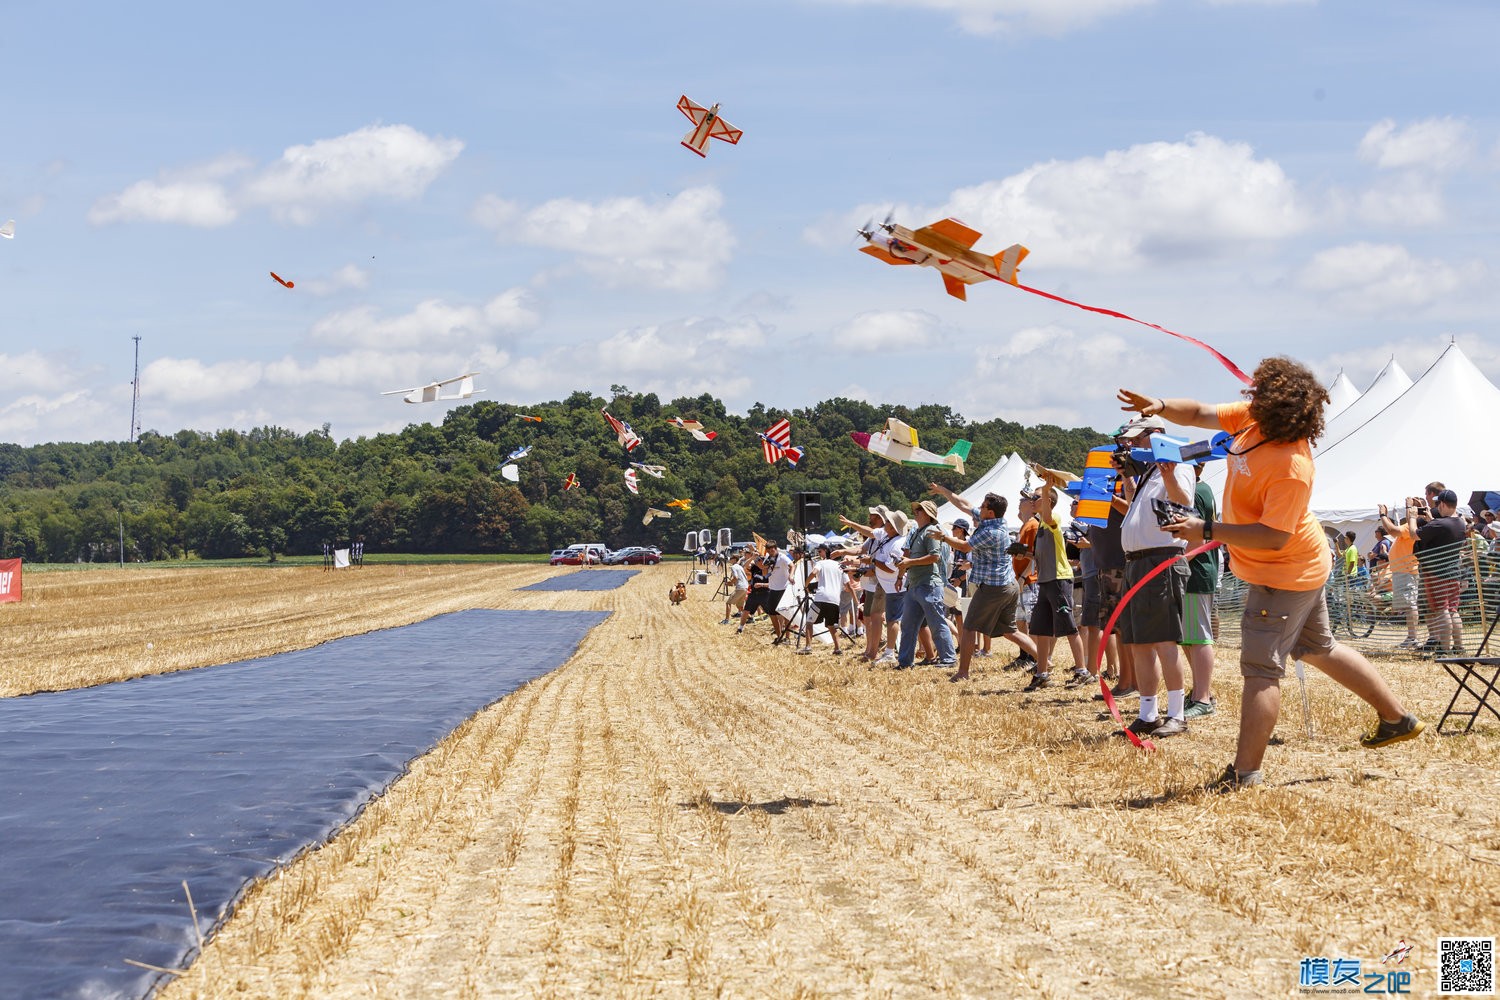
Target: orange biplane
<point>945,245</point>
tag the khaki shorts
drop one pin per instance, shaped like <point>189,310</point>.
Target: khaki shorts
<point>1404,590</point>
<point>1279,624</point>
<point>992,609</point>
<point>737,599</point>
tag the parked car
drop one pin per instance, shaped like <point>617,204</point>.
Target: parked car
<point>557,557</point>
<point>581,554</point>
<point>634,555</point>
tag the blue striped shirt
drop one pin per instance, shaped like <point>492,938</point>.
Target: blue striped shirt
<point>988,562</point>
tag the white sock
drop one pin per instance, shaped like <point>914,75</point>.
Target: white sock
<point>1148,708</point>
<point>1174,704</point>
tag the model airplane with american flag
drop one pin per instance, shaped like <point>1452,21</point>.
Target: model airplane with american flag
<point>776,443</point>
<point>945,245</point>
<point>627,437</point>
<point>706,125</point>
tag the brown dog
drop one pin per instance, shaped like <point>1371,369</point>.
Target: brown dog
<point>678,594</point>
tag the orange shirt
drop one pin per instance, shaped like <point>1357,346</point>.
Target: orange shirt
<point>1403,549</point>
<point>1025,566</point>
<point>1271,484</point>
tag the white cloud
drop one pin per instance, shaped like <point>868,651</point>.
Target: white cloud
<point>394,162</point>
<point>888,330</point>
<point>1406,199</point>
<point>347,277</point>
<point>1375,277</point>
<point>988,17</point>
<point>680,243</point>
<point>188,380</point>
<point>431,322</point>
<point>1114,212</point>
<point>1433,144</point>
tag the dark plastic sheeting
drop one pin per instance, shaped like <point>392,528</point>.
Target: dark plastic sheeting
<point>111,796</point>
<point>586,579</point>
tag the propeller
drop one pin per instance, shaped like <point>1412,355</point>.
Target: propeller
<point>886,225</point>
<point>868,229</point>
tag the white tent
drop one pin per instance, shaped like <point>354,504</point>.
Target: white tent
<point>992,481</point>
<point>1340,394</point>
<point>1427,433</point>
<point>1383,391</point>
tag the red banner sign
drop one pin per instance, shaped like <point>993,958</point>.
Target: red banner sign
<point>10,580</point>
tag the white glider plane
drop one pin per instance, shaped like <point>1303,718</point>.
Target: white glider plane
<point>432,392</point>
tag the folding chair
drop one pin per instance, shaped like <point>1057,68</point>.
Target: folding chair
<point>1484,672</point>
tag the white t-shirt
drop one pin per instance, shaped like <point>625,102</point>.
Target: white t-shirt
<point>741,581</point>
<point>830,575</point>
<point>870,546</point>
<point>1139,530</point>
<point>780,573</point>
<point>891,551</point>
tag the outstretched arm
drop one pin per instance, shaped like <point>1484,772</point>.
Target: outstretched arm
<point>1183,412</point>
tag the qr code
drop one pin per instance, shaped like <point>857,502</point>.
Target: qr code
<point>1467,966</point>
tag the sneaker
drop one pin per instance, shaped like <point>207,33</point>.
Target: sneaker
<point>1118,692</point>
<point>1198,709</point>
<point>1022,662</point>
<point>1080,678</point>
<point>1232,781</point>
<point>1039,681</point>
<point>1392,732</point>
<point>981,652</point>
<point>1143,728</point>
<point>724,622</point>
<point>1408,643</point>
<point>805,651</point>
<point>1168,727</point>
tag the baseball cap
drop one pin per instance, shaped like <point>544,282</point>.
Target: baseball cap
<point>1448,497</point>
<point>961,522</point>
<point>1153,424</point>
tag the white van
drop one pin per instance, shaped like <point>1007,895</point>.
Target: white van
<point>593,553</point>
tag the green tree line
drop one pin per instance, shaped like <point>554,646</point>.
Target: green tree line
<point>437,488</point>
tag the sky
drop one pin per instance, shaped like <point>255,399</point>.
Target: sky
<point>500,188</point>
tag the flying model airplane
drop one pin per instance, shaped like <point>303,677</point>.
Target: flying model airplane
<point>519,453</point>
<point>432,392</point>
<point>685,504</point>
<point>630,481</point>
<point>511,471</point>
<point>944,245</point>
<point>284,283</point>
<point>652,513</point>
<point>571,483</point>
<point>706,125</point>
<point>655,471</point>
<point>529,418</point>
<point>627,437</point>
<point>898,442</point>
<point>776,443</point>
<point>9,230</point>
<point>694,427</point>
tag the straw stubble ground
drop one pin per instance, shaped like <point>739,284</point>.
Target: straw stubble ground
<point>682,811</point>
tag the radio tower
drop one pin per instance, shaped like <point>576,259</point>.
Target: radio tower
<point>135,396</point>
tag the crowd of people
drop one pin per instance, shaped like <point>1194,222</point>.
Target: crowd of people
<point>911,586</point>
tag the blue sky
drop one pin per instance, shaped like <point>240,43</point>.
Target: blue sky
<point>500,187</point>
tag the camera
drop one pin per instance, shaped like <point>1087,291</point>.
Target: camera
<point>1166,511</point>
<point>1125,461</point>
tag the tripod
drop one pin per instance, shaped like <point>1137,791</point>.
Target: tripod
<point>805,605</point>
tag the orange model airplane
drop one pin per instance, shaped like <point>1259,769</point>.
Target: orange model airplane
<point>944,245</point>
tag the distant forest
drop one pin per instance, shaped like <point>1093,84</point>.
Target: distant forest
<point>438,489</point>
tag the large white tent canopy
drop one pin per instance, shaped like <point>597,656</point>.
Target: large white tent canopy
<point>1340,394</point>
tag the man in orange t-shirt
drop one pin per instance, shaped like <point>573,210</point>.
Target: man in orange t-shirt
<point>1405,581</point>
<point>1276,546</point>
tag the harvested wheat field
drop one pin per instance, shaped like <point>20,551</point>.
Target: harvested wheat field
<point>683,811</point>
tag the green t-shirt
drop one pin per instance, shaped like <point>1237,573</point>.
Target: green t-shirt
<point>924,542</point>
<point>1203,570</point>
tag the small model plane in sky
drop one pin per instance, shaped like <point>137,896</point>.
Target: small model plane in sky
<point>898,442</point>
<point>529,418</point>
<point>631,483</point>
<point>776,443</point>
<point>652,513</point>
<point>685,504</point>
<point>706,125</point>
<point>655,471</point>
<point>693,427</point>
<point>571,483</point>
<point>432,392</point>
<point>283,282</point>
<point>944,245</point>
<point>9,230</point>
<point>511,471</point>
<point>627,437</point>
<point>519,453</point>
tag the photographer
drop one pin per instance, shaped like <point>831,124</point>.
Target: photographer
<point>870,593</point>
<point>1405,583</point>
<point>1277,548</point>
<point>1151,626</point>
<point>1438,551</point>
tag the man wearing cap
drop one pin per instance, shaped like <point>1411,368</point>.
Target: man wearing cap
<point>1152,623</point>
<point>1438,548</point>
<point>992,609</point>
<point>923,565</point>
<point>827,583</point>
<point>889,578</point>
<point>872,597</point>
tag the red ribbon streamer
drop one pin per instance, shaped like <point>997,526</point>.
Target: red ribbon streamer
<point>1234,369</point>
<point>1109,627</point>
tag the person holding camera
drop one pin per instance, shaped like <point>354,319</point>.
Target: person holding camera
<point>1276,547</point>
<point>1438,550</point>
<point>1402,559</point>
<point>1151,625</point>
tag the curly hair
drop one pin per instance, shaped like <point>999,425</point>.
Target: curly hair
<point>1286,401</point>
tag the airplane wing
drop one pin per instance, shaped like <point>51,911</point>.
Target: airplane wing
<point>9,230</point>
<point>900,432</point>
<point>881,253</point>
<point>694,112</point>
<point>950,230</point>
<point>457,378</point>
<point>721,129</point>
<point>955,287</point>
<point>511,472</point>
<point>402,392</point>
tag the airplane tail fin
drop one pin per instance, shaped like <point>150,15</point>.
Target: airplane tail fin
<point>958,454</point>
<point>955,287</point>
<point>1008,262</point>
